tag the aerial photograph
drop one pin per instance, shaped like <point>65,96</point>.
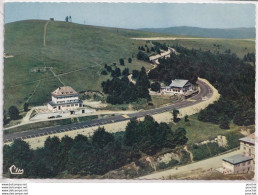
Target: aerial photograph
<point>129,91</point>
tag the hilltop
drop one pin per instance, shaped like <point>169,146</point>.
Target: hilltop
<point>232,33</point>
<point>76,54</point>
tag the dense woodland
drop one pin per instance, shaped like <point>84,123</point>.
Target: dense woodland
<point>92,156</point>
<point>234,79</point>
<point>120,90</point>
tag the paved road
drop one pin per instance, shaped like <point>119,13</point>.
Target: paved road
<point>205,91</point>
<point>203,165</point>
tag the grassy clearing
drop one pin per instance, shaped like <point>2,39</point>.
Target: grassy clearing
<point>160,100</point>
<point>198,131</point>
<point>156,102</point>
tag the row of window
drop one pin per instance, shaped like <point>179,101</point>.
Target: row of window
<point>65,97</point>
<point>68,101</point>
<point>175,90</point>
<point>249,149</point>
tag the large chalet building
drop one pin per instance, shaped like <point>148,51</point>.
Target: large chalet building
<point>177,86</point>
<point>64,98</point>
<point>243,162</point>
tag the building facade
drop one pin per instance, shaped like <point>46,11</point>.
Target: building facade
<point>64,98</point>
<point>177,86</point>
<point>243,162</point>
<point>237,164</point>
<point>247,146</point>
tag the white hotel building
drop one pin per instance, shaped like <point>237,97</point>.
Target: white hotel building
<point>64,98</point>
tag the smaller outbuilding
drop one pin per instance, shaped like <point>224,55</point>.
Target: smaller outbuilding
<point>243,162</point>
<point>237,164</point>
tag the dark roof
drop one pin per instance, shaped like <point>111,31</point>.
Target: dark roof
<point>178,83</point>
<point>236,159</point>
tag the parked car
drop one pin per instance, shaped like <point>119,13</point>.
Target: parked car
<point>51,117</point>
<point>58,116</point>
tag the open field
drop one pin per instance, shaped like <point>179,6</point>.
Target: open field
<point>77,54</point>
<point>198,131</point>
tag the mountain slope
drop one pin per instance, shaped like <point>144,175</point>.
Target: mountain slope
<point>75,55</point>
<point>233,33</point>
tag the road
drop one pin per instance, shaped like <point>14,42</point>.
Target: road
<point>184,38</point>
<point>200,166</point>
<point>205,91</point>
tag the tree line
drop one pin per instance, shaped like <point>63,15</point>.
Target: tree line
<point>234,79</point>
<point>95,155</point>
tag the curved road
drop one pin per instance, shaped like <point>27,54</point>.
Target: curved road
<point>205,91</point>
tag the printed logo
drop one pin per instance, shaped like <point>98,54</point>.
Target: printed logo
<point>15,170</point>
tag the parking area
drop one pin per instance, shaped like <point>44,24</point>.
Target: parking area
<point>61,114</point>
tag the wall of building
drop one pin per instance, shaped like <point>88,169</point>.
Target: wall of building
<point>65,99</point>
<point>247,149</point>
<point>227,168</point>
<point>64,107</point>
<point>244,167</point>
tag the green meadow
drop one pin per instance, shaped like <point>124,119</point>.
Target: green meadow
<point>75,55</point>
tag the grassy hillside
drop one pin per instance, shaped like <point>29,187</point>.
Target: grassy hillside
<point>233,33</point>
<point>76,54</point>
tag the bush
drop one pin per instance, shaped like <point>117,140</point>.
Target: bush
<point>206,150</point>
<point>142,56</point>
<point>14,113</point>
<point>26,107</point>
<point>155,86</point>
<point>135,74</point>
<point>171,163</point>
<point>121,61</point>
<point>103,72</point>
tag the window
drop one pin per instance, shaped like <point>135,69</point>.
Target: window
<point>249,162</point>
<point>244,164</point>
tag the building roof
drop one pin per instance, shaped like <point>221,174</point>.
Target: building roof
<point>249,139</point>
<point>236,159</point>
<point>178,83</point>
<point>63,91</point>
